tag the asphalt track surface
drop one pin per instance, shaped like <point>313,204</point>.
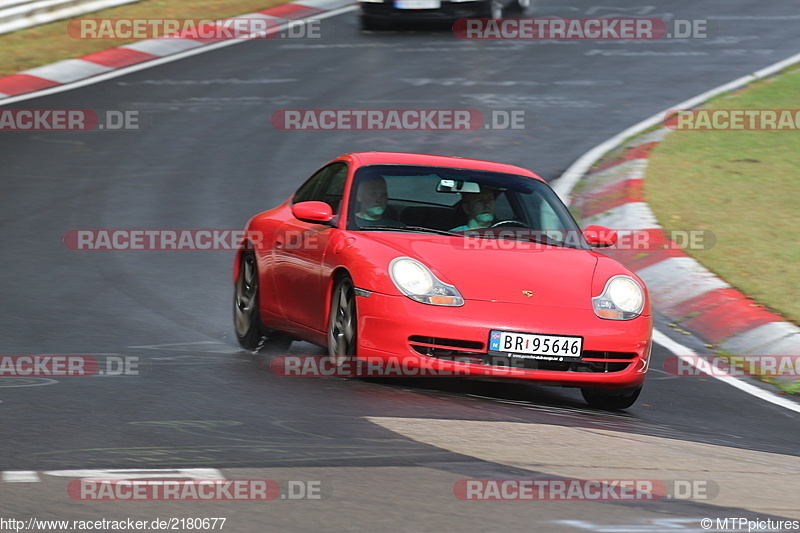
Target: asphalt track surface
<point>386,454</point>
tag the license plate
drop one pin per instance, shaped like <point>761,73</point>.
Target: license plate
<point>535,346</point>
<point>417,4</point>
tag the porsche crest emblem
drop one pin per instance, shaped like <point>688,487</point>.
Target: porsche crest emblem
<point>527,294</point>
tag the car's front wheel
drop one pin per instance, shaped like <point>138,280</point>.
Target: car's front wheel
<point>611,399</point>
<point>342,323</point>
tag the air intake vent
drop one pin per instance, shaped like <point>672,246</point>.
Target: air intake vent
<point>453,344</point>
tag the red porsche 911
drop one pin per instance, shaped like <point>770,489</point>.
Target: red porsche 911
<point>454,265</point>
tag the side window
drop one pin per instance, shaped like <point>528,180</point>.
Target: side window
<point>326,185</point>
<point>334,189</point>
<point>308,190</point>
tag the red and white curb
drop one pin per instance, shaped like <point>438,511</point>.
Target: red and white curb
<point>681,288</point>
<point>103,62</point>
<point>613,195</point>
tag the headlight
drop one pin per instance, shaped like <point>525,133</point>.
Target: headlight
<point>622,299</point>
<point>417,282</point>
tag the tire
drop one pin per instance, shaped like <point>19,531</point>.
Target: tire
<point>246,316</point>
<point>343,323</point>
<point>371,24</point>
<point>251,333</point>
<point>611,400</point>
<point>496,9</point>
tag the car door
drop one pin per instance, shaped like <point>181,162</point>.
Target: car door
<point>300,249</point>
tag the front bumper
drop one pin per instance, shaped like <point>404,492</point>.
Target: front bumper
<point>395,330</point>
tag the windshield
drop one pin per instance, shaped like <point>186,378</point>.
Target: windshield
<point>469,203</point>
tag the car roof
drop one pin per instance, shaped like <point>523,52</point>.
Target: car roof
<point>402,158</point>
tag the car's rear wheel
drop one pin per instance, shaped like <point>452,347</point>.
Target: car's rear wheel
<point>492,9</point>
<point>611,399</point>
<point>246,319</point>
<point>496,9</point>
<point>372,24</point>
<point>251,333</point>
<point>342,323</point>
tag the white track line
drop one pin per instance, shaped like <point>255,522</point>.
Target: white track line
<point>20,476</point>
<point>32,476</point>
<point>686,354</point>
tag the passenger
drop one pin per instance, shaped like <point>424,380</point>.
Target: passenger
<point>372,198</point>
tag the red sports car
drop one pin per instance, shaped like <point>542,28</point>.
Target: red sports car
<point>455,265</point>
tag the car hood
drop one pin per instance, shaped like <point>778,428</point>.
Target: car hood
<point>501,271</point>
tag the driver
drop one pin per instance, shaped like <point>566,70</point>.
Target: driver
<point>479,208</point>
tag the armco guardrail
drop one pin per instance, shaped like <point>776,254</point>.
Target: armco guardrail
<point>18,14</point>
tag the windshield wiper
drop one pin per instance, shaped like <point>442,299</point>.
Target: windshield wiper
<point>543,238</point>
<point>409,228</point>
<point>536,236</point>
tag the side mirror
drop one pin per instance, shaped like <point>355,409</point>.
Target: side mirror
<point>313,212</point>
<point>600,236</point>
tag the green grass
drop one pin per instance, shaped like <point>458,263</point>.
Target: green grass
<point>789,388</point>
<point>743,186</point>
<point>48,43</point>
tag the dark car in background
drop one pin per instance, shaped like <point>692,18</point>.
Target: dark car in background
<point>383,14</point>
